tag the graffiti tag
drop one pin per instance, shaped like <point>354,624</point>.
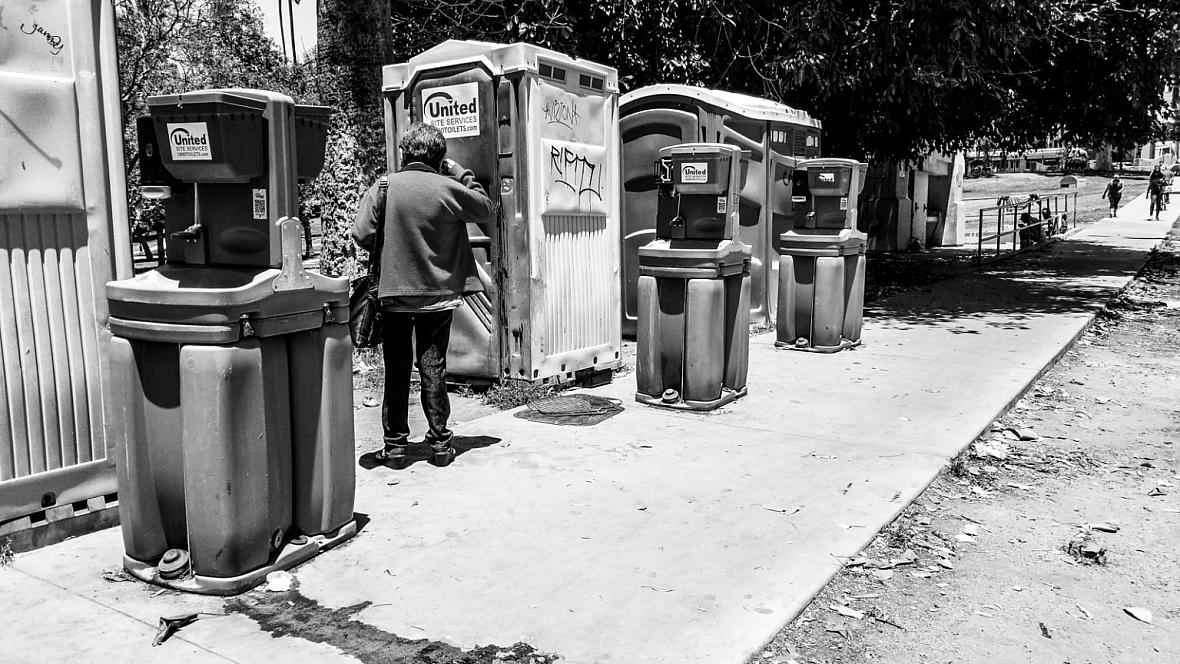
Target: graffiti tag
<point>576,173</point>
<point>54,41</point>
<point>557,111</point>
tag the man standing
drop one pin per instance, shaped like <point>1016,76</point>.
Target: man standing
<point>426,267</point>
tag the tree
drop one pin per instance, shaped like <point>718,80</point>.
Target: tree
<point>889,78</point>
<point>354,43</point>
<point>171,46</point>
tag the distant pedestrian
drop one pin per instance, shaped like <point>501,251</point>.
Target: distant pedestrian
<point>1155,191</point>
<point>426,267</point>
<point>1114,193</point>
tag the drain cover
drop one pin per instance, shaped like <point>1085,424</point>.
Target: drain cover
<point>579,404</point>
<point>571,410</point>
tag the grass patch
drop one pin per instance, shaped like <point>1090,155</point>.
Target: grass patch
<point>6,555</point>
<point>512,393</point>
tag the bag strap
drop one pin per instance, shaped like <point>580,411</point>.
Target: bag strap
<point>375,254</point>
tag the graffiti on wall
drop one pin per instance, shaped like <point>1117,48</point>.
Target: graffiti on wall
<point>574,178</point>
<point>562,111</point>
<point>568,116</point>
<point>33,36</point>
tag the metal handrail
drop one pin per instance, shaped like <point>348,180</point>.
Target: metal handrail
<point>1062,211</point>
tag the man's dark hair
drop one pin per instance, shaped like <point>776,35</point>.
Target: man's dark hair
<point>424,143</point>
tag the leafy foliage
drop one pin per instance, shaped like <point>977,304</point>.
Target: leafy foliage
<point>171,46</point>
<point>889,78</point>
<point>354,43</point>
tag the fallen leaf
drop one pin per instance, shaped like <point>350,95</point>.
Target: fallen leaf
<point>1138,613</point>
<point>1156,491</point>
<point>659,589</point>
<point>783,510</point>
<point>169,626</point>
<point>835,629</point>
<point>847,612</point>
<point>1044,631</point>
<point>116,576</point>
<point>883,574</point>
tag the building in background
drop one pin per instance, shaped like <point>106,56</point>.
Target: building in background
<point>1165,151</point>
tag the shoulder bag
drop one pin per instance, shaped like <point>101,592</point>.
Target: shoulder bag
<point>364,307</point>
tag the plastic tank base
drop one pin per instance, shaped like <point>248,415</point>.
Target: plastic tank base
<point>291,555</point>
<point>727,395</point>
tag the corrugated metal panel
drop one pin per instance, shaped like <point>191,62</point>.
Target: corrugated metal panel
<point>48,345</point>
<point>63,234</point>
<point>579,272</point>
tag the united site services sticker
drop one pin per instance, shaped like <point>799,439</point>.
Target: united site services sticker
<point>454,109</point>
<point>694,172</point>
<point>189,141</point>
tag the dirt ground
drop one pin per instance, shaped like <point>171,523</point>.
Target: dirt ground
<point>1052,539</point>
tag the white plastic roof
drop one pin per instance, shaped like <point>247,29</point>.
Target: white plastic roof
<point>498,58</point>
<point>749,106</point>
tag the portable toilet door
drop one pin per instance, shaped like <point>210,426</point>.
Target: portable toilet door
<point>540,131</point>
<point>775,136</point>
<point>63,235</point>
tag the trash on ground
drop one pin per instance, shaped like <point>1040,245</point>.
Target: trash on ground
<point>1156,491</point>
<point>369,402</point>
<point>1084,549</point>
<point>1105,527</point>
<point>279,582</point>
<point>1045,631</point>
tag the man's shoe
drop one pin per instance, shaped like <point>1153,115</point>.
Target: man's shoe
<point>443,458</point>
<point>393,456</point>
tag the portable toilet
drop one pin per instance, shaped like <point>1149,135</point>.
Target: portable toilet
<point>540,130</point>
<point>775,135</point>
<point>63,234</point>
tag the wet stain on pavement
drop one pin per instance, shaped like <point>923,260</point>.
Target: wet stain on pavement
<point>292,614</point>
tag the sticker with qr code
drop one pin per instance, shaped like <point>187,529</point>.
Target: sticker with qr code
<point>260,211</point>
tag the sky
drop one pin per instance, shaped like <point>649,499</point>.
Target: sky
<point>305,32</point>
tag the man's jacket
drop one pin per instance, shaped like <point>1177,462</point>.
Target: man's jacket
<point>425,251</point>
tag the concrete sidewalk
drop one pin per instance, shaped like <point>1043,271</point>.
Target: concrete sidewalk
<point>655,536</point>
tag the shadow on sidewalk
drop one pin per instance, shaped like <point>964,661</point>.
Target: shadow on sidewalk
<point>1063,277</point>
<point>421,452</point>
